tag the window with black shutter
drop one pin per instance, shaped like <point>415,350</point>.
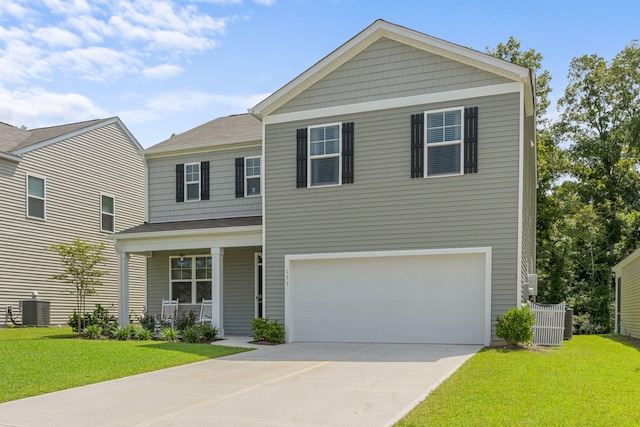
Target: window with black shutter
<point>444,142</point>
<point>204,180</point>
<point>325,155</point>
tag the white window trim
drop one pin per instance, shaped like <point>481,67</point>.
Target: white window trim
<point>324,156</point>
<point>246,177</point>
<point>27,196</point>
<point>107,213</point>
<point>194,281</point>
<point>186,183</point>
<point>445,143</point>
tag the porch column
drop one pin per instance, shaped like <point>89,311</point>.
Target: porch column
<point>123,288</point>
<point>217,262</point>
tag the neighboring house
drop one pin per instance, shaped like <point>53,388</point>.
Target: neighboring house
<point>76,181</point>
<point>627,274</point>
<point>398,182</point>
<point>203,232</point>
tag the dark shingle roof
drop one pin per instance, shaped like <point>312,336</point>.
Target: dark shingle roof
<point>194,225</point>
<point>221,131</point>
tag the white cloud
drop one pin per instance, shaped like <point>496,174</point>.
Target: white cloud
<point>96,63</point>
<point>67,7</point>
<point>170,104</point>
<point>165,71</point>
<point>35,107</point>
<point>265,2</point>
<point>57,37</point>
<point>11,8</point>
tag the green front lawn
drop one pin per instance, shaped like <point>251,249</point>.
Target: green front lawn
<point>589,381</point>
<point>36,361</point>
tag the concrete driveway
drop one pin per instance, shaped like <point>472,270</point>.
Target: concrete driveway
<point>296,384</point>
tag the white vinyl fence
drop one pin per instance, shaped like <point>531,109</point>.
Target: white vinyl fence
<point>549,327</point>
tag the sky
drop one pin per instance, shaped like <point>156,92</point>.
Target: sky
<point>167,66</point>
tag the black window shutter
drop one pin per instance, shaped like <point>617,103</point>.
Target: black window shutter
<point>180,183</point>
<point>240,177</point>
<point>301,157</point>
<point>471,140</point>
<point>417,145</point>
<point>204,180</point>
<point>347,153</point>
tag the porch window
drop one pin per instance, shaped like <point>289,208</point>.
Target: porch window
<point>190,278</point>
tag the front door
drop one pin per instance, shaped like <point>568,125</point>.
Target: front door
<point>258,281</point>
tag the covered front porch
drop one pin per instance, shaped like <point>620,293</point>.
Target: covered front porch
<point>218,260</point>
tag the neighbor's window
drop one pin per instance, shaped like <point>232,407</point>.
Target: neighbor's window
<point>36,200</point>
<point>324,155</point>
<point>444,142</point>
<point>252,176</point>
<point>107,213</point>
<point>190,279</point>
<point>192,181</point>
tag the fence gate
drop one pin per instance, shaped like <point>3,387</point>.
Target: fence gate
<point>549,327</point>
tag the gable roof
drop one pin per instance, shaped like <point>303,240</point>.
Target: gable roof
<point>234,129</point>
<point>383,29</point>
<point>14,141</point>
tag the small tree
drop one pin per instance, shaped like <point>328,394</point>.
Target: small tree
<point>516,325</point>
<point>80,260</point>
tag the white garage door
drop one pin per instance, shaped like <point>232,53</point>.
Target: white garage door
<point>395,297</point>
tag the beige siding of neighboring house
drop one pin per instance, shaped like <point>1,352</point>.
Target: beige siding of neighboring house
<point>385,209</point>
<point>77,170</point>
<point>388,69</point>
<point>238,288</point>
<point>630,299</point>
<point>222,202</point>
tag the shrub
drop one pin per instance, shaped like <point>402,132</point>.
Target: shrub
<point>121,334</point>
<point>147,321</point>
<point>516,325</point>
<point>267,330</point>
<point>258,327</point>
<point>191,334</point>
<point>185,321</point>
<point>144,334</point>
<point>168,334</point>
<point>209,333</point>
<point>93,332</point>
<point>100,317</point>
<point>274,332</point>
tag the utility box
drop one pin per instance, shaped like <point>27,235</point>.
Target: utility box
<point>36,312</point>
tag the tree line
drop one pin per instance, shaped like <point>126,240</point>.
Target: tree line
<point>588,198</point>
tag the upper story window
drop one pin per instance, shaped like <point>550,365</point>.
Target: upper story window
<point>444,142</point>
<point>447,131</point>
<point>252,176</point>
<point>107,213</point>
<point>190,278</point>
<point>192,181</point>
<point>36,197</point>
<point>324,155</point>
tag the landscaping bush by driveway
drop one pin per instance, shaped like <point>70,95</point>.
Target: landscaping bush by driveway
<point>37,361</point>
<point>591,380</point>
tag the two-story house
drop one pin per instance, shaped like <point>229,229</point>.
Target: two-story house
<point>398,194</point>
<point>75,181</point>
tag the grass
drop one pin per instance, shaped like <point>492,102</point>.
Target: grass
<point>34,361</point>
<point>589,381</point>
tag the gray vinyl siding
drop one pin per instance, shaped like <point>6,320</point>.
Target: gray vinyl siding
<point>238,287</point>
<point>77,170</point>
<point>529,205</point>
<point>387,210</point>
<point>630,299</point>
<point>222,201</point>
<point>388,69</point>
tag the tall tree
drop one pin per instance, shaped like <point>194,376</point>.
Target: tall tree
<point>600,123</point>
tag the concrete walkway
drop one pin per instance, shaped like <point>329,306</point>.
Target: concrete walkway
<point>297,384</point>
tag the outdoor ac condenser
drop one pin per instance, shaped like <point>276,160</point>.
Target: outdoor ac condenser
<point>36,312</point>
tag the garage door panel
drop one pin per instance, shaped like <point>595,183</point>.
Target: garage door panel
<point>427,298</point>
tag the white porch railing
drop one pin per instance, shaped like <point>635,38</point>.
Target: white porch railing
<point>549,327</point>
